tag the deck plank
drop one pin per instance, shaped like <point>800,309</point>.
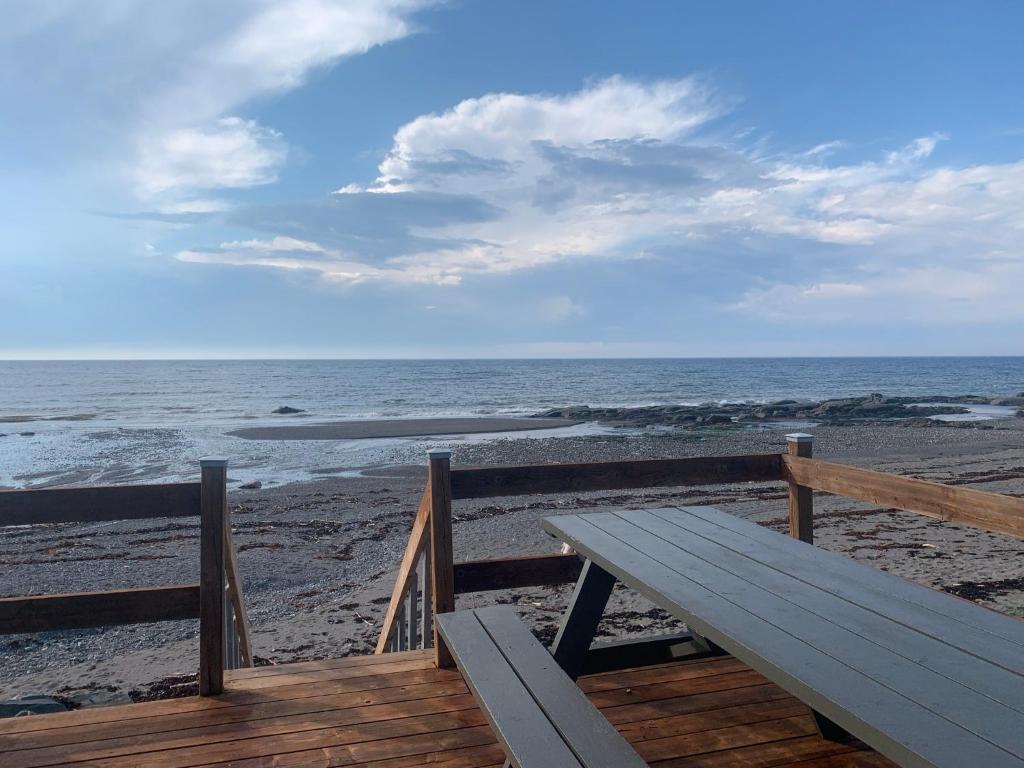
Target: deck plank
<point>712,713</point>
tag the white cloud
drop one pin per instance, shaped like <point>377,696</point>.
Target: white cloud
<point>162,78</point>
<point>933,295</point>
<point>332,265</point>
<point>498,133</point>
<point>272,46</point>
<point>556,309</point>
<point>230,154</point>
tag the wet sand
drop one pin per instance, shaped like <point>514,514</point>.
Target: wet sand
<point>351,430</point>
<point>318,558</point>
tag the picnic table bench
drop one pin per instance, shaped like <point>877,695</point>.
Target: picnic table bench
<point>537,713</point>
<point>925,678</point>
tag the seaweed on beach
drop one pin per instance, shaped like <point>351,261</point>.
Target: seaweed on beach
<point>985,590</point>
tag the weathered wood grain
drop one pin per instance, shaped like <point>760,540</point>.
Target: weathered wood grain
<point>441,557</point>
<point>482,482</point>
<point>981,509</point>
<point>98,503</point>
<point>212,577</point>
<point>45,613</point>
<point>516,572</point>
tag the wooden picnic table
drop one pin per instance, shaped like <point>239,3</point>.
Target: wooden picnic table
<point>924,677</point>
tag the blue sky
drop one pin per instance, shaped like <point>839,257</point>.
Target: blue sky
<point>305,178</point>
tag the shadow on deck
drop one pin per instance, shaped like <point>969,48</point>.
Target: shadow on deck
<point>399,710</point>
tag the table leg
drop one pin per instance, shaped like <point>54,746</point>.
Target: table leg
<point>581,618</point>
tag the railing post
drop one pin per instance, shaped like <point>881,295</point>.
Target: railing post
<point>801,500</point>
<point>213,509</point>
<point>442,567</point>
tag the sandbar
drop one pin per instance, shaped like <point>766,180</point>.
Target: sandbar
<point>366,429</point>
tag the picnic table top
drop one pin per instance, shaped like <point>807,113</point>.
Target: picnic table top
<point>924,677</point>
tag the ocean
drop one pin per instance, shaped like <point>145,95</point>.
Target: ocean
<point>148,421</point>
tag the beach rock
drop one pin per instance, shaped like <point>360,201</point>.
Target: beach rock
<point>30,705</point>
<point>873,408</point>
<point>254,485</point>
<point>285,409</point>
<point>1018,400</point>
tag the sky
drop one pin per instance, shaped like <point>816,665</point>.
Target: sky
<point>507,178</point>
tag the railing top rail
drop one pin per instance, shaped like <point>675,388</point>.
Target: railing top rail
<point>995,512</point>
<point>517,480</point>
<point>92,504</point>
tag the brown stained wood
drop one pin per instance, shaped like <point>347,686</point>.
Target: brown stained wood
<point>226,717</point>
<point>45,613</point>
<point>982,509</point>
<point>626,714</point>
<point>483,482</point>
<point>667,690</point>
<point>722,738</point>
<point>407,570</point>
<point>697,713</point>
<point>202,736</point>
<point>661,673</point>
<point>234,586</point>
<point>464,757</point>
<point>322,676</point>
<point>212,577</point>
<point>98,503</point>
<point>341,739</point>
<point>744,714</point>
<point>239,698</point>
<point>516,572</point>
<point>345,662</point>
<point>441,556</point>
<point>801,498</point>
<point>780,753</point>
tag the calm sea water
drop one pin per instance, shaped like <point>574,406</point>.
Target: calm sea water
<point>143,420</point>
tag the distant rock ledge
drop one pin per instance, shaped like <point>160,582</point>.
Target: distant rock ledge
<point>874,408</point>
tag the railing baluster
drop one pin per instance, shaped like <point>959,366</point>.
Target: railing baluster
<point>411,610</point>
<point>427,601</point>
<point>400,631</point>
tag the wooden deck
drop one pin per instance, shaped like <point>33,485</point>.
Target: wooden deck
<point>399,710</point>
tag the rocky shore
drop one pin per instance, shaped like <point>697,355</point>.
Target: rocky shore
<point>871,409</point>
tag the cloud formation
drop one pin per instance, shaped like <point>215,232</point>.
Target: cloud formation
<point>626,169</point>
<point>170,78</point>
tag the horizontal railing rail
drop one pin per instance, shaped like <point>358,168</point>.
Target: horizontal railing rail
<point>521,480</point>
<point>95,504</point>
<point>982,509</point>
<point>46,613</point>
<point>516,572</point>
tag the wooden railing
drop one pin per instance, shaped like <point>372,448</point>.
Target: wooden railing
<point>429,579</point>
<point>216,599</point>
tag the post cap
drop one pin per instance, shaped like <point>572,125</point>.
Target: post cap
<point>213,461</point>
<point>439,453</point>
<point>799,437</point>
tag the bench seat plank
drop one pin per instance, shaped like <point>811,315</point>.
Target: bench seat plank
<point>525,694</point>
<point>505,701</point>
<point>798,649</point>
